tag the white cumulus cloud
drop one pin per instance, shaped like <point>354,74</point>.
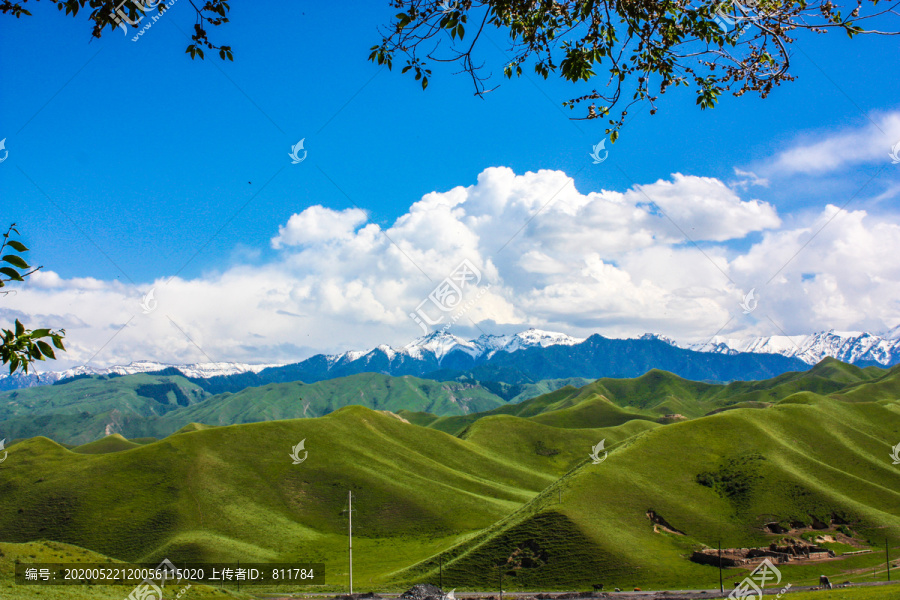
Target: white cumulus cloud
<point>670,257</point>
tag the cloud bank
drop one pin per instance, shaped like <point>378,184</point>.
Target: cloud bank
<point>673,256</point>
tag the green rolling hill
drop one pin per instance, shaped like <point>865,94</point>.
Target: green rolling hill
<point>655,394</point>
<point>807,460</point>
<point>232,493</point>
<point>148,405</point>
<point>154,405</point>
<point>512,494</point>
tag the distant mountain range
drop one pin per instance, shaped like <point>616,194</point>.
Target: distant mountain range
<point>533,355</point>
<point>197,370</point>
<point>854,347</point>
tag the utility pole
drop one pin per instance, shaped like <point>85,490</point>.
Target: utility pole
<point>887,559</point>
<point>350,536</point>
<point>441,575</point>
<point>721,585</point>
<point>500,573</point>
<point>349,512</point>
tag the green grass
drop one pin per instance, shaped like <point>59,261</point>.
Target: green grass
<point>111,443</point>
<point>145,405</point>
<point>794,461</point>
<point>231,493</point>
<point>851,593</point>
<point>515,488</point>
<point>54,552</point>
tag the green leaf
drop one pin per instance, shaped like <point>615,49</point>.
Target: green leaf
<point>11,273</point>
<point>15,261</point>
<point>18,246</point>
<point>46,349</point>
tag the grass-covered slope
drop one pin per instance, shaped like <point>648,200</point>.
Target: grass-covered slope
<point>657,393</point>
<point>373,390</point>
<point>142,394</point>
<point>722,477</point>
<point>233,492</point>
<point>511,490</point>
<point>55,552</point>
<point>141,405</point>
<point>114,442</point>
<point>83,410</point>
<point>566,407</point>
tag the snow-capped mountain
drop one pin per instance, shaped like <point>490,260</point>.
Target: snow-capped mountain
<point>855,347</point>
<point>441,354</point>
<point>439,344</point>
<point>200,370</point>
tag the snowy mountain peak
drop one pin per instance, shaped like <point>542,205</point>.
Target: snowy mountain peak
<point>656,336</point>
<point>441,343</point>
<point>197,370</point>
<point>848,346</point>
<point>861,348</point>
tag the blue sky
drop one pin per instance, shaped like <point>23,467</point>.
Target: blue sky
<point>130,163</point>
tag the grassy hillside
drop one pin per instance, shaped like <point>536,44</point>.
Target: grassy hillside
<point>493,497</point>
<point>607,402</point>
<point>233,493</point>
<point>86,409</point>
<point>153,405</point>
<point>860,593</point>
<point>146,405</point>
<point>513,494</point>
<point>559,408</point>
<point>808,459</point>
<point>373,390</point>
<point>112,443</point>
<point>54,552</point>
<point>141,394</point>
